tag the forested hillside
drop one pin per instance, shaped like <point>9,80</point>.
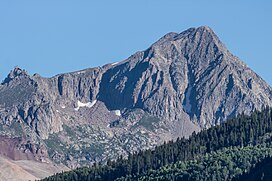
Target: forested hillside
<point>225,164</point>
<point>261,171</point>
<point>218,153</point>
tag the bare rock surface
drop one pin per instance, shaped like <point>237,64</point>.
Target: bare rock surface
<point>182,83</point>
<point>25,170</point>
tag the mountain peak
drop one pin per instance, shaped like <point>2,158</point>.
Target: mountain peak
<point>193,62</point>
<point>16,72</point>
<point>205,28</point>
<point>202,33</point>
<point>207,32</point>
<point>183,83</point>
<point>203,37</point>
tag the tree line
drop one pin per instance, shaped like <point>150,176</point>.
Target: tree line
<point>240,132</point>
<point>226,164</point>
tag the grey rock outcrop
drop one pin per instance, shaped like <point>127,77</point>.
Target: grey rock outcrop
<point>190,74</point>
<point>182,83</point>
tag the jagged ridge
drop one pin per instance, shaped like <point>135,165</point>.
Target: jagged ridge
<point>180,84</point>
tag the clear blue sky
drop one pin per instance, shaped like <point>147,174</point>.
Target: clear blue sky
<point>56,36</point>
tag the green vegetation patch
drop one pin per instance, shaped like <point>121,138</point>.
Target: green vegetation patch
<point>17,127</point>
<point>70,132</point>
<point>148,122</point>
<point>218,153</point>
<point>54,144</point>
<point>220,165</point>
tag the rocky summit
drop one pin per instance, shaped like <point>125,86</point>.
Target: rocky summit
<point>182,83</point>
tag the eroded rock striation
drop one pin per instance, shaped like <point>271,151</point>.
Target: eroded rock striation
<point>182,83</point>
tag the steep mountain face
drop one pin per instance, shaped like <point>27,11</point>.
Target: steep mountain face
<point>182,83</point>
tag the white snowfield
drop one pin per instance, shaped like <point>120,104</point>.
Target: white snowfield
<point>81,72</point>
<point>115,63</point>
<point>88,104</point>
<point>117,112</point>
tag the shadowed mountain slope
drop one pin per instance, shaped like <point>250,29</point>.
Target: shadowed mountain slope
<point>182,83</point>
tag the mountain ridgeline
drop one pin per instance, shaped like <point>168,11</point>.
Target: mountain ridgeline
<point>184,82</point>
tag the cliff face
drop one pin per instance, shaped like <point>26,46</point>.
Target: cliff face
<point>187,76</point>
<point>34,100</point>
<point>182,83</point>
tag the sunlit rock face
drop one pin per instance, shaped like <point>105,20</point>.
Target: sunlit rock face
<point>182,83</point>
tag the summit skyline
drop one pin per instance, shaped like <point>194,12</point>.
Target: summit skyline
<point>46,38</point>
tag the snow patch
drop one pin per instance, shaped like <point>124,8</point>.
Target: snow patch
<point>81,72</point>
<point>142,132</point>
<point>117,112</point>
<point>115,63</point>
<point>88,104</point>
<point>63,107</point>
